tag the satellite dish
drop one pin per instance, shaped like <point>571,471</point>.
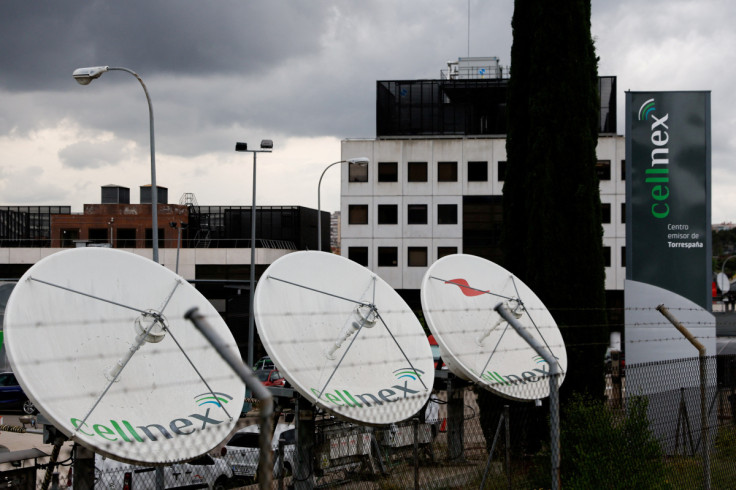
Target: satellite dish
<point>459,294</point>
<point>723,282</point>
<point>343,338</point>
<point>99,343</point>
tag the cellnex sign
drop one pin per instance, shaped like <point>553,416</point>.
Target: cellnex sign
<point>668,241</point>
<point>124,431</point>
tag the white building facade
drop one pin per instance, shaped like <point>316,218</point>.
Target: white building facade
<point>422,198</point>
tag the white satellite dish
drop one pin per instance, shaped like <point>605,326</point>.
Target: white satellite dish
<point>344,338</point>
<point>459,295</point>
<point>724,284</point>
<point>98,340</point>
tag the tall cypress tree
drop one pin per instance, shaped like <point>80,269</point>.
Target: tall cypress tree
<point>552,210</point>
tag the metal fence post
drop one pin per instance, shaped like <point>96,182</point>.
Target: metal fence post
<point>415,424</point>
<point>703,384</point>
<point>554,396</point>
<point>508,443</point>
<point>265,461</point>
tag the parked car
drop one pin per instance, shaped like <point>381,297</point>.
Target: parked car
<point>271,377</point>
<point>202,472</point>
<point>242,451</point>
<point>12,396</point>
<point>438,362</point>
<point>264,362</point>
<point>608,360</point>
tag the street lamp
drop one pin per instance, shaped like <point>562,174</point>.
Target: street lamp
<point>266,147</point>
<point>84,76</point>
<point>360,161</point>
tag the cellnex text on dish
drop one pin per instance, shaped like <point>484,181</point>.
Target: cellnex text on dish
<point>342,397</point>
<point>125,431</point>
<point>494,377</point>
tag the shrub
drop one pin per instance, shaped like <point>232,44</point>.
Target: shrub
<point>600,451</point>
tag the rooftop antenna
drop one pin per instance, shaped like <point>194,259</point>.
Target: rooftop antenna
<point>468,28</point>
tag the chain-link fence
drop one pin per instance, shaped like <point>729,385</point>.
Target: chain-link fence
<point>647,433</point>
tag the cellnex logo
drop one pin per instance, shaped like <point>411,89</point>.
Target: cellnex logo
<point>344,398</point>
<point>216,399</point>
<point>124,431</point>
<point>657,175</point>
<point>533,376</point>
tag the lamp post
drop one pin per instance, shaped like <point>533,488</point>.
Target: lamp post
<point>84,76</point>
<point>266,147</point>
<point>361,161</point>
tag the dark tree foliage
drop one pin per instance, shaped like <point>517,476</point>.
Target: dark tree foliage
<point>552,211</point>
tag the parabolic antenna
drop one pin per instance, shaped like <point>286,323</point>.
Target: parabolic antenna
<point>459,296</point>
<point>98,341</point>
<point>344,338</point>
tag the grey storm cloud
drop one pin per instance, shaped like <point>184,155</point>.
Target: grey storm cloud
<point>93,154</point>
<point>46,40</point>
<point>296,68</point>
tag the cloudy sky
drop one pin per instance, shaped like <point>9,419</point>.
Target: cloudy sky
<point>299,72</point>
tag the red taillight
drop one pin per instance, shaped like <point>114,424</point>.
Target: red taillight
<point>128,481</point>
<point>223,451</point>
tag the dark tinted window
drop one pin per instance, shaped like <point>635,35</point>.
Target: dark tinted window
<point>388,256</point>
<point>477,171</point>
<point>417,257</point>
<point>388,214</point>
<point>447,171</point>
<point>603,169</point>
<point>358,214</point>
<point>447,214</point>
<point>417,172</point>
<point>416,214</point>
<point>388,171</point>
<point>359,255</point>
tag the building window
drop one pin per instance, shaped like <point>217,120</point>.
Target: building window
<point>603,169</point>
<point>388,256</point>
<point>417,257</point>
<point>623,212</point>
<point>358,255</point>
<point>98,235</point>
<point>388,214</point>
<point>357,173</point>
<point>125,238</point>
<point>605,212</point>
<point>623,256</point>
<point>501,170</point>
<point>69,236</point>
<point>444,251</point>
<point>447,171</point>
<point>623,169</point>
<point>416,214</point>
<point>388,172</point>
<point>417,172</point>
<point>358,214</point>
<point>447,214</point>
<point>607,256</point>
<point>149,238</point>
<point>477,171</point>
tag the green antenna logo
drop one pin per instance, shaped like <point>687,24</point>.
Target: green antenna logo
<point>645,109</point>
